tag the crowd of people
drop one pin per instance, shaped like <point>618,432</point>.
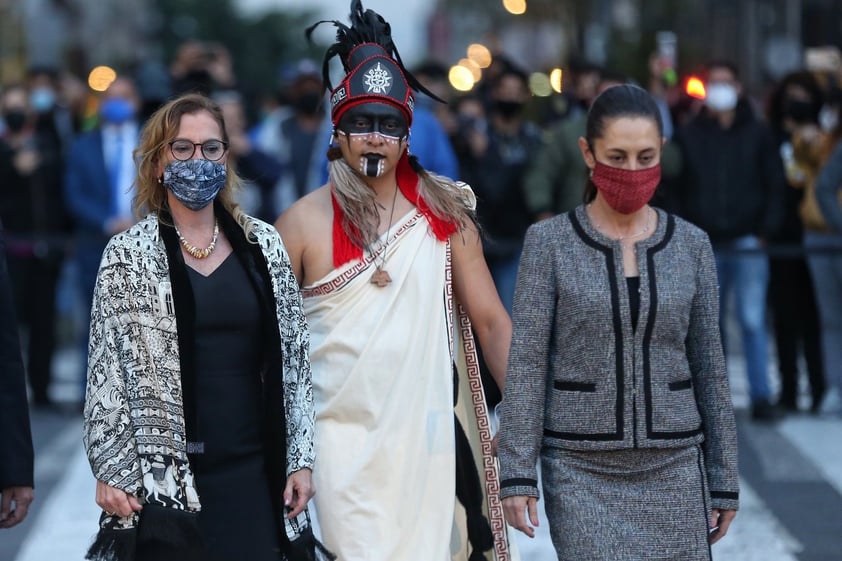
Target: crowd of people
<point>330,292</point>
<point>743,168</point>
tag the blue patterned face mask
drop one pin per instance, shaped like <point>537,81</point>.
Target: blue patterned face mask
<point>195,183</point>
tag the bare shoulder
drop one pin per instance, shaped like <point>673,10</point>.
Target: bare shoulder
<point>307,231</point>
<point>313,212</point>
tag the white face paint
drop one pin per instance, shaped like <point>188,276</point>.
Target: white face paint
<point>374,136</point>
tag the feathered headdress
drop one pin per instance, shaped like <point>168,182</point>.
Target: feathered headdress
<point>373,66</point>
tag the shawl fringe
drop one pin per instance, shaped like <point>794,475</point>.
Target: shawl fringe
<point>177,530</point>
<point>159,529</point>
<point>113,545</point>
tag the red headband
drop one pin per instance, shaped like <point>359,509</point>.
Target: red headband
<point>374,78</point>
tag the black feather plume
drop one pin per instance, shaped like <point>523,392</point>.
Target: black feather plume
<point>367,26</point>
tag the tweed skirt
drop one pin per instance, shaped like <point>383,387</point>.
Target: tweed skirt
<point>627,505</point>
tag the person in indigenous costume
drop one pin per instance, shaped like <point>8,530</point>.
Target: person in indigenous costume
<point>616,379</point>
<point>198,418</point>
<point>394,283</point>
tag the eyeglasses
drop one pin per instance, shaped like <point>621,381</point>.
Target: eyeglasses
<point>212,150</point>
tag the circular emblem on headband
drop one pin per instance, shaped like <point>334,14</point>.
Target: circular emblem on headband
<point>378,80</point>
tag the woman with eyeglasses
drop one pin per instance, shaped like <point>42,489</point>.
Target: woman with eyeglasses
<point>199,412</point>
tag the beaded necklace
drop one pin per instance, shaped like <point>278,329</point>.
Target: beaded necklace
<point>199,253</point>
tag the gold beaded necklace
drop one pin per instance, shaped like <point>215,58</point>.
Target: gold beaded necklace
<point>196,252</point>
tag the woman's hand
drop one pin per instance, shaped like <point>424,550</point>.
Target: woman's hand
<point>298,492</point>
<point>516,508</point>
<point>115,501</point>
<point>720,520</point>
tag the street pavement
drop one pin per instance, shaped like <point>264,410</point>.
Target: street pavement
<point>791,486</point>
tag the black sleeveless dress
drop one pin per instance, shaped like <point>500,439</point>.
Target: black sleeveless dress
<point>236,519</point>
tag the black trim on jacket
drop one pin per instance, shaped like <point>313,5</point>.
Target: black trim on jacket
<point>647,338</point>
<point>618,342</point>
<point>651,317</point>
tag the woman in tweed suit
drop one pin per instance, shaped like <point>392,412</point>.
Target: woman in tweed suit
<point>616,373</point>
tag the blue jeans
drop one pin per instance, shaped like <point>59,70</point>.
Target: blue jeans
<point>504,272</point>
<point>826,269</point>
<point>747,276</point>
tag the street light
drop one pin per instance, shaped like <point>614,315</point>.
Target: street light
<point>515,7</point>
<point>473,67</point>
<point>461,78</point>
<point>101,77</point>
<point>556,79</point>
<point>480,55</point>
<point>539,84</point>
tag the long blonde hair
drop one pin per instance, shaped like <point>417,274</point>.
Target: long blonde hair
<point>161,129</point>
<point>446,199</point>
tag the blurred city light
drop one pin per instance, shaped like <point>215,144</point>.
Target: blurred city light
<point>101,77</point>
<point>461,78</point>
<point>695,88</point>
<point>476,71</point>
<point>555,79</point>
<point>539,84</point>
<point>670,77</point>
<point>516,7</point>
<point>480,55</point>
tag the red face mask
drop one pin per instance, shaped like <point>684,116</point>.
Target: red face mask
<point>626,190</point>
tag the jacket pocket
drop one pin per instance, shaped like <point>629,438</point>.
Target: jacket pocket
<point>566,386</point>
<point>680,385</point>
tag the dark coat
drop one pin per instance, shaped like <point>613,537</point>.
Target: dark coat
<point>732,182</point>
<point>16,456</point>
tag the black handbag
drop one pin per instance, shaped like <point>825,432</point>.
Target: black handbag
<point>168,534</point>
<point>302,544</point>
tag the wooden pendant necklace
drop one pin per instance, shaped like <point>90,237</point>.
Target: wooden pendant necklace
<point>199,253</point>
<point>381,276</point>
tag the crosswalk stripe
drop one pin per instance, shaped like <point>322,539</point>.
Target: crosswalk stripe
<point>68,521</point>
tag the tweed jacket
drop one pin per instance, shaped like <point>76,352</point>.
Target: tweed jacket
<point>134,405</point>
<point>581,378</point>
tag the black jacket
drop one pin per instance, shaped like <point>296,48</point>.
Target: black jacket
<point>16,457</point>
<point>497,179</point>
<point>732,181</point>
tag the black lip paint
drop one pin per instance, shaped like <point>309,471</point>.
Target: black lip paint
<point>372,165</point>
